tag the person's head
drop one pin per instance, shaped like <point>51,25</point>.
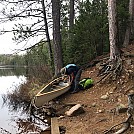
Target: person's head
<point>63,71</point>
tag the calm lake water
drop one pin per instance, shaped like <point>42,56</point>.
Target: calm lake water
<point>16,122</point>
<point>8,84</point>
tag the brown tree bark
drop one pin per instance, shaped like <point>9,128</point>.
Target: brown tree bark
<point>71,18</point>
<point>71,21</point>
<point>47,34</point>
<point>130,28</point>
<point>58,60</point>
<point>114,52</point>
<point>113,67</point>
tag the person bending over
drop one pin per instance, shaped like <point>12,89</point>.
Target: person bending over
<point>74,72</point>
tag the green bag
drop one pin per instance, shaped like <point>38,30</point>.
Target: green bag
<point>86,83</point>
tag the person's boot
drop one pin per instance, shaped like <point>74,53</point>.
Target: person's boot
<point>75,91</point>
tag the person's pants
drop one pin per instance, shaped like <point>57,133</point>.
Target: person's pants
<point>77,79</point>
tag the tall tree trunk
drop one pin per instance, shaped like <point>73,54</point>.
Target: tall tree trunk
<point>71,18</point>
<point>114,52</point>
<point>102,37</point>
<point>47,34</point>
<point>130,28</point>
<point>58,60</point>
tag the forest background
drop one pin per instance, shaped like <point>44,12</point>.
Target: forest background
<point>80,31</point>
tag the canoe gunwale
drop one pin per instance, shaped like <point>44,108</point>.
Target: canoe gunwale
<point>51,83</point>
<point>40,94</point>
<point>39,99</point>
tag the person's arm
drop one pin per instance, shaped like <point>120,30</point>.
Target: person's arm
<point>71,77</point>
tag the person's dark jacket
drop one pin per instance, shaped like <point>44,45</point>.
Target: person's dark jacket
<point>71,68</point>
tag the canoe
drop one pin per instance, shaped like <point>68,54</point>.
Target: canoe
<point>52,90</point>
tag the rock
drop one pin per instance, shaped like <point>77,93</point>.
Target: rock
<point>98,66</point>
<point>93,104</point>
<point>129,61</point>
<point>123,77</point>
<point>100,111</point>
<point>46,131</point>
<point>75,110</point>
<point>121,108</point>
<point>61,117</point>
<point>112,90</point>
<point>104,97</point>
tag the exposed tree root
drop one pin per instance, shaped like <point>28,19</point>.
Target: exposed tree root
<point>110,69</point>
<point>129,120</point>
<point>125,127</point>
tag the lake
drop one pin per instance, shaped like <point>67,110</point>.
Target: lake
<point>8,84</point>
<point>16,122</point>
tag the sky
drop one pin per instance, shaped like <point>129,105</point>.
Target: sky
<point>7,45</point>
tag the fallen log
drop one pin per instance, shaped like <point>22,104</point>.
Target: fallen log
<point>54,126</point>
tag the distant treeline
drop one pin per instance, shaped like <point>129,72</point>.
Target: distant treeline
<point>37,56</point>
<point>88,38</point>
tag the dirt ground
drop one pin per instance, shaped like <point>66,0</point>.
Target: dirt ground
<point>101,113</point>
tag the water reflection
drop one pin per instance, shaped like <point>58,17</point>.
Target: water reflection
<point>8,83</point>
<point>13,71</point>
<point>14,122</point>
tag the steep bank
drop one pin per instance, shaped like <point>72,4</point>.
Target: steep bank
<point>102,101</point>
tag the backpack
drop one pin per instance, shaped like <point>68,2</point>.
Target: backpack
<point>86,83</point>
